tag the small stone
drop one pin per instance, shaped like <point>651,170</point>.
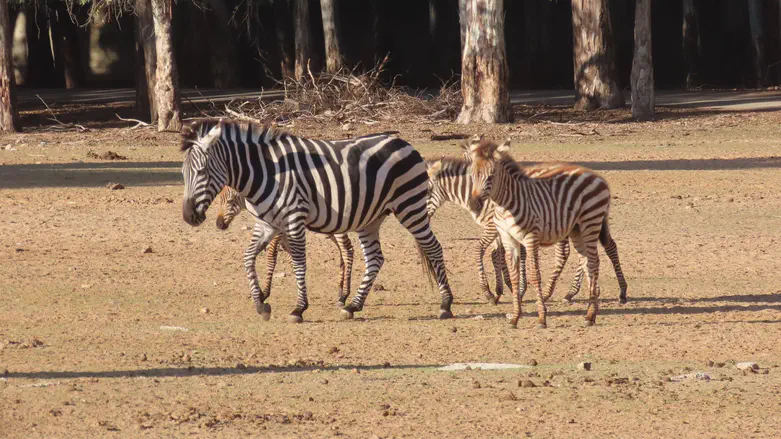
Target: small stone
<point>324,381</point>
<point>720,364</point>
<point>310,399</point>
<point>186,357</point>
<point>453,329</point>
<point>584,366</point>
<point>333,350</point>
<point>476,384</point>
<point>386,364</point>
<point>763,371</point>
<point>5,372</point>
<point>533,362</point>
<point>571,421</point>
<point>526,383</point>
<point>356,370</point>
<point>709,363</point>
<point>384,406</point>
<point>19,249</point>
<point>143,357</point>
<point>748,365</point>
<point>241,366</point>
<point>205,311</point>
<point>379,287</point>
<point>115,186</point>
<point>731,200</point>
<point>508,396</point>
<point>148,250</point>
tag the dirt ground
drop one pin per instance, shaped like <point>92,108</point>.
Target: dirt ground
<point>119,320</point>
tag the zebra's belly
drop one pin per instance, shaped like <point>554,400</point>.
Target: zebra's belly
<point>546,234</point>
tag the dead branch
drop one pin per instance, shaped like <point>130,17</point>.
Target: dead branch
<point>443,137</point>
<point>139,123</point>
<point>61,124</point>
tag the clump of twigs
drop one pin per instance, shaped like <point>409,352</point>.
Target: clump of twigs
<point>349,96</point>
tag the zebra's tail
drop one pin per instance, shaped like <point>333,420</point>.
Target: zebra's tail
<point>428,267</point>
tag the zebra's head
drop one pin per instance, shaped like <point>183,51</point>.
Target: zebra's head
<point>204,169</point>
<point>483,155</point>
<point>435,198</point>
<point>229,204</point>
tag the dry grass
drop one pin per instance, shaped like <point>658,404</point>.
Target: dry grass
<point>350,97</point>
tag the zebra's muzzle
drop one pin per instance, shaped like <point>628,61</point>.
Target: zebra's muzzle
<point>221,223</point>
<point>475,204</point>
<point>191,215</point>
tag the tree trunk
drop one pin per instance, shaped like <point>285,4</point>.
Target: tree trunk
<point>146,61</point>
<point>642,63</point>
<point>596,84</point>
<point>285,42</point>
<point>691,42</point>
<point>166,74</point>
<point>462,19</point>
<point>65,34</point>
<point>9,118</point>
<point>484,73</point>
<point>334,59</point>
<point>19,48</point>
<point>755,17</point>
<point>303,37</point>
<point>224,59</point>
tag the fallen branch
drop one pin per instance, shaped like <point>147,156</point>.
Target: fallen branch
<point>54,118</point>
<point>443,137</point>
<point>139,123</point>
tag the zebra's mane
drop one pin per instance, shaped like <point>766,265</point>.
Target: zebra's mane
<point>197,129</point>
<point>488,150</point>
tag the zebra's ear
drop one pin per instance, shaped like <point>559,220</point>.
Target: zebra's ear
<point>210,137</point>
<point>504,147</point>
<point>477,139</point>
<point>434,169</point>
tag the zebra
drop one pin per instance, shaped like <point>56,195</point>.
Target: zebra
<point>230,203</point>
<point>450,180</point>
<point>295,184</point>
<point>563,200</point>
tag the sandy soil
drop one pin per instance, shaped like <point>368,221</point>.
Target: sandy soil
<point>87,348</point>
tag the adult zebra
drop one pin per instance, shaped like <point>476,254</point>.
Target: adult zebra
<point>230,203</point>
<point>294,184</point>
<point>563,201</point>
<point>451,181</point>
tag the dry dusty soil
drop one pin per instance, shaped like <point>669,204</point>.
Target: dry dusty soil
<point>119,320</point>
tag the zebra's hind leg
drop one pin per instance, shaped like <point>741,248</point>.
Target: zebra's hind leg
<point>562,254</point>
<point>430,250</point>
<point>574,289</point>
<point>296,238</point>
<point>272,250</point>
<point>372,255</point>
<point>500,271</point>
<point>612,252</point>
<point>261,235</point>
<point>346,255</point>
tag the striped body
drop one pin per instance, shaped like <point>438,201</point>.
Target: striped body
<point>231,203</point>
<point>294,184</point>
<point>561,201</point>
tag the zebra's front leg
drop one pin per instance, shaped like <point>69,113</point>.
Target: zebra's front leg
<point>272,250</point>
<point>577,281</point>
<point>372,255</point>
<point>296,239</point>
<point>261,235</point>
<point>501,273</point>
<point>486,238</point>
<point>533,271</point>
<point>562,254</point>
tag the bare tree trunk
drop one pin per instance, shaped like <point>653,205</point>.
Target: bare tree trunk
<point>303,37</point>
<point>166,74</point>
<point>596,84</point>
<point>9,117</point>
<point>65,44</point>
<point>691,42</point>
<point>285,42</point>
<point>484,72</point>
<point>19,48</point>
<point>334,59</point>
<point>642,63</point>
<point>224,59</point>
<point>462,21</point>
<point>146,61</point>
<point>755,17</point>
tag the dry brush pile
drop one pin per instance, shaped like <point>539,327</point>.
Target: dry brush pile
<point>350,97</point>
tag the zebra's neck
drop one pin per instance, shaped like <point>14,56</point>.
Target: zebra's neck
<point>510,184</point>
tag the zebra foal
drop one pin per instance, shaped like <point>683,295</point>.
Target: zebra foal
<point>561,201</point>
<point>230,203</point>
<point>293,184</point>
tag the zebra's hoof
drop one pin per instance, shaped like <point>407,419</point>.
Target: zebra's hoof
<point>493,300</point>
<point>445,314</point>
<point>622,300</point>
<point>340,304</point>
<point>542,325</point>
<point>567,300</point>
<point>294,318</point>
<point>265,312</point>
<point>589,323</point>
<point>346,315</point>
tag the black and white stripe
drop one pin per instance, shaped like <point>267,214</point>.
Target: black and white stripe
<point>295,184</point>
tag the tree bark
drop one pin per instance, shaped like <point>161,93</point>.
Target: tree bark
<point>303,37</point>
<point>19,49</point>
<point>334,60</point>
<point>462,21</point>
<point>9,117</point>
<point>285,43</point>
<point>755,17</point>
<point>224,59</point>
<point>691,42</point>
<point>642,78</point>
<point>484,72</point>
<point>596,84</point>
<point>146,61</point>
<point>166,74</point>
<point>66,46</point>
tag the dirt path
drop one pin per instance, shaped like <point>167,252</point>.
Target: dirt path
<point>99,338</point>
